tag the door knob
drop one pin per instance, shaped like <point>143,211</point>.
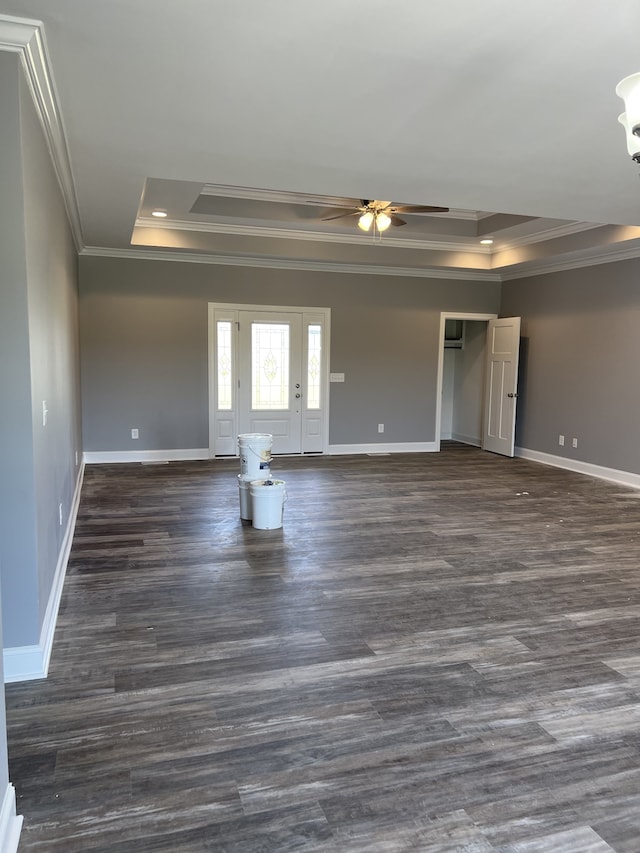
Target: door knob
<point>512,395</point>
<point>298,396</point>
<point>297,384</point>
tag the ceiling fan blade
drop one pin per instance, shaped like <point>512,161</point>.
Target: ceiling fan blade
<point>418,208</point>
<point>395,220</point>
<point>341,215</point>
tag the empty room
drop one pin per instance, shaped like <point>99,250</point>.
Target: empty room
<point>320,491</point>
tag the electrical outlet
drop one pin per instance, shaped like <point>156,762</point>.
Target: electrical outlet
<point>574,442</point>
<point>561,440</point>
<point>135,433</point>
<point>380,427</point>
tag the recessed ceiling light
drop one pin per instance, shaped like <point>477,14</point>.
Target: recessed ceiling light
<point>486,242</point>
<point>161,214</point>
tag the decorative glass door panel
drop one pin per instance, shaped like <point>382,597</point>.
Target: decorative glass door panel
<point>270,391</point>
<point>269,366</point>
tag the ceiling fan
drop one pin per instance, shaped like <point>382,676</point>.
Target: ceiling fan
<point>382,214</point>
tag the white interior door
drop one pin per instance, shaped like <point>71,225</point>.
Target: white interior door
<point>501,385</point>
<point>270,377</point>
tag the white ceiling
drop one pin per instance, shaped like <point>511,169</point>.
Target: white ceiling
<point>479,106</point>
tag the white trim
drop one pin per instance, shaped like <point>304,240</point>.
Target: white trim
<point>552,233</point>
<point>462,244</point>
<point>27,38</point>
<point>23,663</point>
<point>496,274</point>
<point>211,379</point>
<point>453,243</point>
<point>10,822</point>
<point>578,261</point>
<point>624,478</point>
<point>444,316</point>
<point>457,274</point>
<point>102,457</point>
<point>397,447</point>
<point>26,663</point>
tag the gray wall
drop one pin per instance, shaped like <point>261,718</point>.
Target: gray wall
<point>144,347</point>
<point>579,363</point>
<point>16,488</point>
<point>54,346</point>
<point>38,361</point>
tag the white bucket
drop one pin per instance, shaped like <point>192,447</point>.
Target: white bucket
<point>267,502</point>
<point>255,454</point>
<point>245,497</point>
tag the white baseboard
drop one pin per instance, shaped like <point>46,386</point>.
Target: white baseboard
<point>399,447</point>
<point>23,663</point>
<point>10,822</point>
<point>466,439</point>
<point>26,663</point>
<point>625,478</point>
<point>105,457</point>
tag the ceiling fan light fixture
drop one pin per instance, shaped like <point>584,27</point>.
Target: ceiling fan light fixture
<point>629,90</point>
<point>633,140</point>
<point>383,221</point>
<point>365,220</point>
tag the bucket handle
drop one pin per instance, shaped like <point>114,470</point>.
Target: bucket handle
<point>259,455</point>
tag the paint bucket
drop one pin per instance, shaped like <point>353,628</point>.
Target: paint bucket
<point>267,502</point>
<point>245,496</point>
<point>255,454</point>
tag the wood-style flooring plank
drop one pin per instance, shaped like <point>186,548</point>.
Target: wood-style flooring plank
<point>436,652</point>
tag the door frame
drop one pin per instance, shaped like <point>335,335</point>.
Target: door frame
<point>444,316</point>
<point>323,315</point>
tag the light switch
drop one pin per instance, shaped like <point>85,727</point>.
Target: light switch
<point>336,377</point>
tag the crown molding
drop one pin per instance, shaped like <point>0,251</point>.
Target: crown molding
<point>26,38</point>
<point>470,245</point>
<point>553,233</point>
<point>577,261</point>
<point>281,263</point>
<point>588,258</point>
<point>312,236</point>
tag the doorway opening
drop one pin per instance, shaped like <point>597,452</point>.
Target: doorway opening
<point>478,383</point>
<point>268,373</point>
<point>461,377</point>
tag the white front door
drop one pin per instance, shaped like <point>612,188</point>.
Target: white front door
<point>270,377</point>
<point>268,374</point>
<point>501,385</point>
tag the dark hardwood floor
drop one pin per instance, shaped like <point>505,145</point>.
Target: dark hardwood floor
<point>437,652</point>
